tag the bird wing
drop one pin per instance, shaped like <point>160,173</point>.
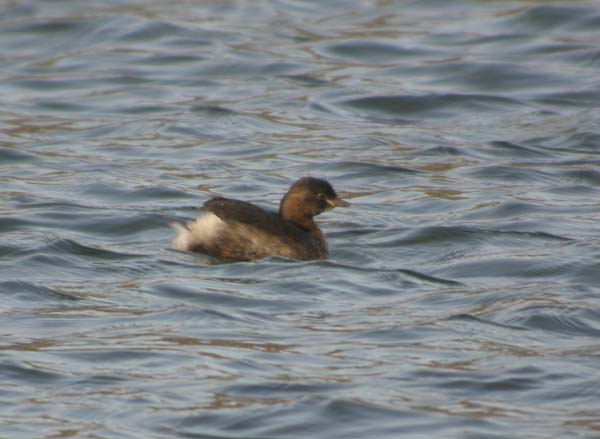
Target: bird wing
<point>228,209</point>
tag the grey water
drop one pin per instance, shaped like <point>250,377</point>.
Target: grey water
<point>462,295</point>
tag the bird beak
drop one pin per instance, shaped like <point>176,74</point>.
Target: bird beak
<point>337,202</point>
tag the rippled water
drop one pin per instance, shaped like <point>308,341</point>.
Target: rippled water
<point>462,296</point>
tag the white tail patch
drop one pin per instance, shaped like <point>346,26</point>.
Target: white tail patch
<point>202,231</point>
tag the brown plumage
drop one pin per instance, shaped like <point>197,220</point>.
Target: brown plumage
<point>235,230</point>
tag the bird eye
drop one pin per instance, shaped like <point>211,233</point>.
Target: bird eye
<point>321,196</point>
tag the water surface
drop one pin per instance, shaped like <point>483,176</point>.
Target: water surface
<point>461,298</point>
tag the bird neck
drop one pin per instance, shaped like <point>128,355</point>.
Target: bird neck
<point>293,208</point>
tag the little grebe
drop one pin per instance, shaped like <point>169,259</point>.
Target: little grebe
<point>235,230</point>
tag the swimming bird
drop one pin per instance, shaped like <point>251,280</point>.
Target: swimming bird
<point>234,230</point>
